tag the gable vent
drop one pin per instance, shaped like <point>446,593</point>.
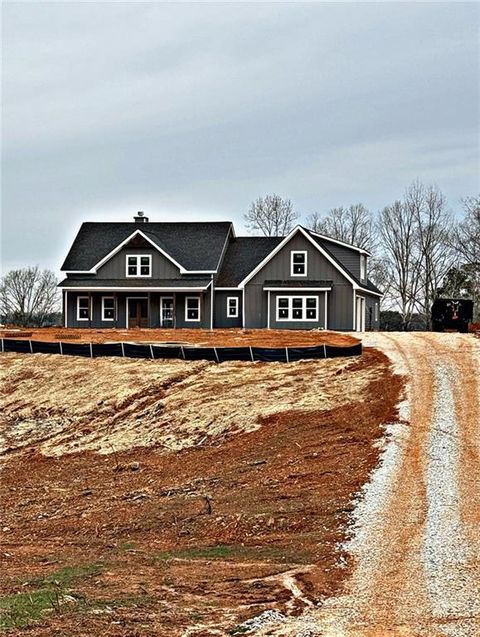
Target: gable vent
<point>140,217</point>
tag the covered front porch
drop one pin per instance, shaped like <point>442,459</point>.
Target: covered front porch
<point>160,308</point>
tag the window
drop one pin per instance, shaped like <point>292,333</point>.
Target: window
<point>192,308</point>
<point>298,263</point>
<point>139,265</point>
<point>363,267</point>
<point>108,308</point>
<point>232,307</point>
<point>297,308</point>
<point>83,308</point>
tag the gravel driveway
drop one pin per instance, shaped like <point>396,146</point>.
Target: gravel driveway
<point>417,525</point>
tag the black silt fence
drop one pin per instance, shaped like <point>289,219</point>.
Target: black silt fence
<point>41,347</point>
<point>217,354</point>
<point>106,349</point>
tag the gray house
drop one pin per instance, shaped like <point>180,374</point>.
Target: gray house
<point>144,274</point>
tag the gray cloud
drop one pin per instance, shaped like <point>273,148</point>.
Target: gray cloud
<point>191,111</point>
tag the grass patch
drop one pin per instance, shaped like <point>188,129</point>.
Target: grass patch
<point>23,609</point>
<point>64,577</point>
<point>207,552</point>
<point>222,551</point>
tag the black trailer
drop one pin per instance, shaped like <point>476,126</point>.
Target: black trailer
<point>451,314</point>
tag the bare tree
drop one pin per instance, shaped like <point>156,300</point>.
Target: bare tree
<point>397,226</point>
<point>466,242</point>
<point>353,225</point>
<point>28,295</point>
<point>271,215</point>
<point>434,224</point>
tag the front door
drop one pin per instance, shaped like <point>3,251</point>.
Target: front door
<point>137,313</point>
<point>166,312</point>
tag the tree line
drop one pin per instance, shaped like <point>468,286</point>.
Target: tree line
<point>419,249</point>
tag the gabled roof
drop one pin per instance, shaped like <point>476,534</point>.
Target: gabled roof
<point>242,256</point>
<point>344,244</point>
<point>194,246</point>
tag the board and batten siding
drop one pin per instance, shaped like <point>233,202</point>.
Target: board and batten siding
<point>340,299</point>
<point>220,304</point>
<point>115,268</point>
<point>348,257</point>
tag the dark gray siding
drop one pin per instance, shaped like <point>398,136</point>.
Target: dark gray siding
<point>221,318</point>
<point>154,317</point>
<point>115,268</point>
<point>340,300</point>
<point>348,257</point>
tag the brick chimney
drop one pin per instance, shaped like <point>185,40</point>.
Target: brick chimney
<point>140,217</point>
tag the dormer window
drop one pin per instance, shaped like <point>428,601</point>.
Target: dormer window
<point>363,267</point>
<point>139,265</point>
<point>298,263</point>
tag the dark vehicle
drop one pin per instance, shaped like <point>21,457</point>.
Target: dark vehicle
<point>451,314</point>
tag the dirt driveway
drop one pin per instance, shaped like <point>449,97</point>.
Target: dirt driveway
<point>417,528</point>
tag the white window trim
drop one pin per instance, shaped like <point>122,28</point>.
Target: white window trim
<point>103,308</point>
<point>189,320</point>
<point>232,298</point>
<point>290,318</point>
<point>138,257</point>
<point>363,267</point>
<point>294,252</point>
<point>89,308</point>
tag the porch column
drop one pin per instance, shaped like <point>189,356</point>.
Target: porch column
<point>115,309</point>
<point>90,309</point>
<point>148,310</point>
<point>268,309</point>
<point>211,304</point>
<point>326,310</point>
<point>65,308</point>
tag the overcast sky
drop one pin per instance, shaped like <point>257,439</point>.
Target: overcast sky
<point>190,111</point>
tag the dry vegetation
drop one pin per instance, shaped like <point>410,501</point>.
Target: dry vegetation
<point>230,485</point>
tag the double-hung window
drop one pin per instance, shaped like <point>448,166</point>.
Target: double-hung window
<point>108,308</point>
<point>363,267</point>
<point>297,308</point>
<point>298,263</point>
<point>232,307</point>
<point>192,308</point>
<point>139,265</point>
<point>83,308</point>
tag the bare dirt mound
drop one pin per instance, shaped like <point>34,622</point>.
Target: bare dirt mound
<point>151,542</point>
<point>63,405</point>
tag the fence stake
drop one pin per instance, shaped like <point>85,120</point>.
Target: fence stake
<point>31,348</point>
<point>324,351</point>
<point>182,352</point>
<point>91,351</point>
<point>251,354</point>
<point>61,348</point>
<point>151,351</point>
<point>3,348</point>
<point>286,352</point>
<point>123,349</point>
<point>216,355</point>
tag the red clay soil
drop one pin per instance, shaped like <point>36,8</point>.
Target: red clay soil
<point>217,337</point>
<point>197,541</point>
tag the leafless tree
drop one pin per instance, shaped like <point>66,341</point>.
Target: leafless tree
<point>434,224</point>
<point>271,215</point>
<point>466,243</point>
<point>397,226</point>
<point>352,225</point>
<point>28,295</point>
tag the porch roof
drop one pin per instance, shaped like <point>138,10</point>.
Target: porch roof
<point>126,285</point>
<point>297,284</point>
